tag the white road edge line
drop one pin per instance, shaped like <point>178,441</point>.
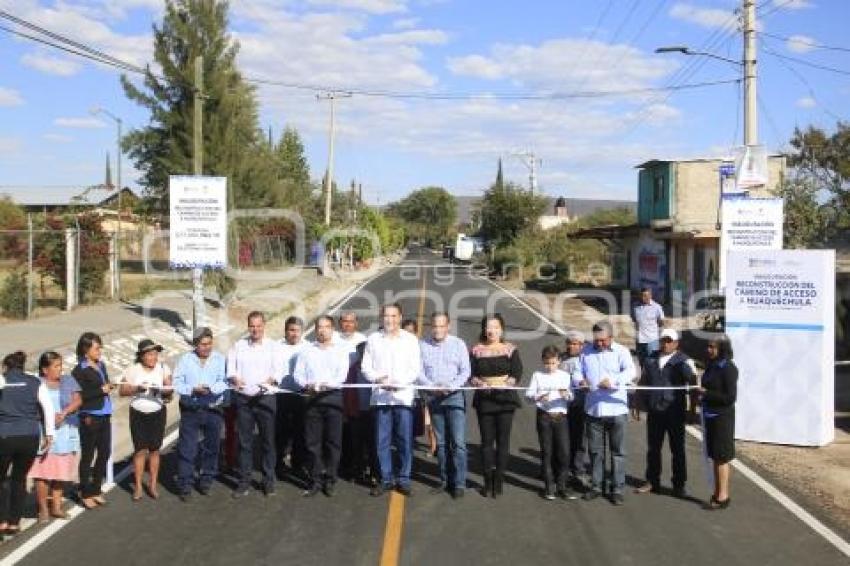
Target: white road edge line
<point>816,525</point>
<point>526,305</point>
<point>58,524</point>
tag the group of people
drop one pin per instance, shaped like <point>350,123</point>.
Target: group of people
<point>347,400</point>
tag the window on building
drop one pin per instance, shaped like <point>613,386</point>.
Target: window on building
<point>658,189</point>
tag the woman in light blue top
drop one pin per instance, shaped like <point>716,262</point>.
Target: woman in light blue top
<point>52,470</point>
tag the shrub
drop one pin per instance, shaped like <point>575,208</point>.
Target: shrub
<point>13,295</point>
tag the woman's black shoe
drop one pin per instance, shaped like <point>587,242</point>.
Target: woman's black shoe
<point>488,484</point>
<point>498,480</point>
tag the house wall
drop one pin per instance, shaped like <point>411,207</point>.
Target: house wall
<point>655,188</point>
<point>697,192</point>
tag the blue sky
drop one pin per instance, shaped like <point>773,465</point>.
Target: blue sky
<point>588,146</point>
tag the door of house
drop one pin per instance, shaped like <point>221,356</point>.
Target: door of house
<point>700,282</point>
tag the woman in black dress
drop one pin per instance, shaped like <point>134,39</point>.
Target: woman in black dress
<point>718,391</point>
<point>495,363</point>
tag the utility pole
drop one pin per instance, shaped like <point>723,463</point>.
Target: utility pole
<point>750,97</point>
<point>331,96</point>
<point>530,160</point>
<point>118,239</point>
<point>198,314</point>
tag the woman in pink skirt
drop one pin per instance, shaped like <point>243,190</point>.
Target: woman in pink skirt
<point>53,470</point>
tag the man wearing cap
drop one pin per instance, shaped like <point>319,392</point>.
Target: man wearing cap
<point>571,363</point>
<point>320,369</point>
<point>254,365</point>
<point>200,381</point>
<point>666,411</point>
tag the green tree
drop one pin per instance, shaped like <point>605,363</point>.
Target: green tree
<point>12,216</point>
<point>290,161</point>
<point>508,210</point>
<point>805,220</point>
<point>94,253</point>
<point>822,161</point>
<point>233,145</point>
<point>429,213</point>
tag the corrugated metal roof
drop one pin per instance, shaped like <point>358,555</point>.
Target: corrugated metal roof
<point>56,195</point>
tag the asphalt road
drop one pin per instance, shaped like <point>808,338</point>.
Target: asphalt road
<point>519,528</point>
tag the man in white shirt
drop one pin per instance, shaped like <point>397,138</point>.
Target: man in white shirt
<point>357,435</point>
<point>255,363</point>
<point>648,317</point>
<point>289,429</point>
<point>392,359</point>
<point>320,369</point>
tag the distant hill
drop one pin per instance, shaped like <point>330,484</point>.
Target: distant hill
<point>575,206</point>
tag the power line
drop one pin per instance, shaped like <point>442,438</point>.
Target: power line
<point>770,121</point>
<point>71,51</point>
<point>717,38</point>
<point>799,76</point>
<point>87,52</point>
<point>75,44</point>
<point>807,63</point>
<point>739,99</point>
<point>798,41</point>
<point>495,96</point>
<point>776,7</point>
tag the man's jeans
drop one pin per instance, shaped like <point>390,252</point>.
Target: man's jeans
<point>394,426</point>
<point>614,430</point>
<point>450,427</point>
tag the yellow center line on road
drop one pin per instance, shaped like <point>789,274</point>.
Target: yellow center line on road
<point>391,551</point>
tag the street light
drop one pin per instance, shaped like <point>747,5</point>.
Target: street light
<point>95,111</point>
<point>685,50</point>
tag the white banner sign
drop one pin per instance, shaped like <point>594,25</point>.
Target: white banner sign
<point>198,234</point>
<point>750,166</point>
<point>749,224</point>
<point>780,315</point>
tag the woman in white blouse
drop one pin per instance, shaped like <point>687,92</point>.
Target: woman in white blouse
<point>148,382</point>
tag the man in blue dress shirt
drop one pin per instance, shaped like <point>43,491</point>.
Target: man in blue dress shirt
<point>200,381</point>
<point>445,363</point>
<point>608,368</point>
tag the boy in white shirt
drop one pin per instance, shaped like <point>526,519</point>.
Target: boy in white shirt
<point>550,392</point>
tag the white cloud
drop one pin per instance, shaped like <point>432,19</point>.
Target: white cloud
<point>807,102</point>
<point>369,6</point>
<point>84,123</point>
<point>800,43</point>
<point>10,145</point>
<point>406,23</point>
<point>412,37</point>
<point>58,138</point>
<point>793,4</point>
<point>331,50</point>
<point>553,65</point>
<point>476,66</point>
<point>51,65</point>
<point>9,97</point>
<point>704,17</point>
<point>87,23</point>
